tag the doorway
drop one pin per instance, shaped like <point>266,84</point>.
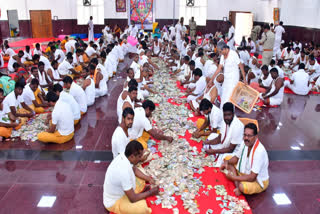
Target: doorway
<point>13,23</point>
<point>41,23</point>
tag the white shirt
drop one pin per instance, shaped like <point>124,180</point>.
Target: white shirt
<point>119,141</point>
<point>279,30</point>
<point>230,32</point>
<point>38,52</point>
<point>215,117</point>
<point>75,107</point>
<point>280,71</point>
<point>266,82</point>
<point>315,67</point>
<point>12,100</point>
<point>178,28</point>
<point>4,117</point>
<point>26,56</point>
<point>231,66</point>
<point>90,92</point>
<point>90,51</point>
<point>245,57</point>
<point>77,60</point>
<point>62,117</point>
<point>253,47</point>
<point>10,64</point>
<point>300,82</point>
<point>136,68</point>
<point>260,162</point>
<point>198,63</point>
<point>10,52</point>
<point>133,30</point>
<point>232,134</point>
<point>200,86</point>
<point>90,23</point>
<point>143,59</point>
<point>64,67</point>
<point>28,95</point>
<point>58,53</point>
<point>46,62</point>
<point>140,123</point>
<point>79,95</point>
<point>209,68</point>
<point>70,44</point>
<point>119,178</point>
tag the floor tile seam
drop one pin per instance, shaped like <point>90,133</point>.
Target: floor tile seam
<point>7,192</point>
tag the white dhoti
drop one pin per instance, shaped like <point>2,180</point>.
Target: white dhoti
<point>227,89</point>
<point>179,43</point>
<point>231,44</point>
<point>276,47</point>
<point>90,35</point>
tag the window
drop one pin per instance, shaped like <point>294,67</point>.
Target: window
<point>198,11</point>
<point>96,10</point>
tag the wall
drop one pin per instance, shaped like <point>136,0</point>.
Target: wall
<point>304,13</point>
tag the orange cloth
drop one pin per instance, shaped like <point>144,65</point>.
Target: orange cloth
<point>6,58</point>
<point>85,58</point>
<point>5,132</point>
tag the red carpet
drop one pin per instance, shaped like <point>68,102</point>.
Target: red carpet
<point>30,42</point>
<point>211,176</point>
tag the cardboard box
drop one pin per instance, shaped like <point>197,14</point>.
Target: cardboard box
<point>244,97</point>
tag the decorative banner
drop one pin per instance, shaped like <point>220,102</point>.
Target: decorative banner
<point>276,16</point>
<point>141,12</point>
<point>121,6</point>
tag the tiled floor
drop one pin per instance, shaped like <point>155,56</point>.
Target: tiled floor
<point>74,172</point>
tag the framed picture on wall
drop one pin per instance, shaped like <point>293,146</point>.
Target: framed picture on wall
<point>121,6</point>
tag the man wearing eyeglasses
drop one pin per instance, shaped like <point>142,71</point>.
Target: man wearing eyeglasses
<point>248,168</point>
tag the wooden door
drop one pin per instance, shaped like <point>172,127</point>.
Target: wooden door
<point>41,23</point>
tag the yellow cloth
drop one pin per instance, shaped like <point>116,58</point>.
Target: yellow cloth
<point>62,44</point>
<point>85,58</point>
<point>5,132</point>
<point>78,68</point>
<point>36,93</point>
<point>254,187</point>
<point>6,58</point>
<point>23,119</point>
<point>144,139</point>
<point>246,121</point>
<point>38,110</point>
<point>199,123</point>
<point>48,49</point>
<point>154,25</point>
<point>55,137</point>
<point>124,206</point>
<point>28,63</point>
<point>76,122</point>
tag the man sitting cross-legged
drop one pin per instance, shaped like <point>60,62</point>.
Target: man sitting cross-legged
<point>213,118</point>
<point>231,134</point>
<point>61,129</point>
<point>124,183</point>
<point>248,167</point>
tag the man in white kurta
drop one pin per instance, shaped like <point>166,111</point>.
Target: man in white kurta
<point>231,37</point>
<point>124,183</point>
<point>90,30</point>
<point>77,92</point>
<point>299,83</point>
<point>248,167</point>
<point>230,63</point>
<point>279,30</point>
<point>230,137</point>
<point>120,137</point>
